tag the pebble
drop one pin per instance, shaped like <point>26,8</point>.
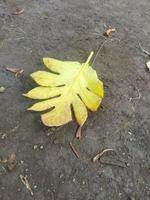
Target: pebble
<point>21,161</point>
<point>41,147</point>
<point>35,186</point>
<point>35,146</point>
<point>83,182</point>
<point>49,133</point>
<point>61,175</point>
<point>74,180</point>
<point>3,136</point>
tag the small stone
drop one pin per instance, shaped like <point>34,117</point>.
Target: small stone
<point>49,133</point>
<point>61,175</point>
<point>3,136</point>
<point>35,146</point>
<point>41,147</point>
<point>128,164</point>
<point>83,182</point>
<point>35,186</point>
<point>130,133</point>
<point>148,65</point>
<point>74,180</point>
<point>2,89</point>
<point>21,161</point>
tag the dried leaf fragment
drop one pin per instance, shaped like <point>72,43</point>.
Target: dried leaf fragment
<point>16,71</point>
<point>26,183</point>
<point>109,31</point>
<point>73,84</point>
<point>18,11</point>
<point>9,162</point>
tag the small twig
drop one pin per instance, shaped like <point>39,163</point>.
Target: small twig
<point>144,51</point>
<point>99,155</point>
<point>101,46</point>
<point>114,164</point>
<point>99,49</point>
<point>26,183</point>
<point>74,150</point>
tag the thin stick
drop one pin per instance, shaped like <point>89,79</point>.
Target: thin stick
<point>99,155</point>
<point>144,51</point>
<point>114,164</point>
<point>74,150</point>
<point>101,46</point>
<point>99,49</point>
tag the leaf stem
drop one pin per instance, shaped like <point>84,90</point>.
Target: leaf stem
<point>87,62</point>
<point>89,58</point>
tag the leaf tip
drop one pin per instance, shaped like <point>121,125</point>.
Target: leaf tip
<point>25,95</point>
<point>46,60</point>
<point>32,75</point>
<point>30,108</point>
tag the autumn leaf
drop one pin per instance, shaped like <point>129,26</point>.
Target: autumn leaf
<point>68,85</point>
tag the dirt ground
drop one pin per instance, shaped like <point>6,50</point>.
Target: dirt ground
<point>69,30</point>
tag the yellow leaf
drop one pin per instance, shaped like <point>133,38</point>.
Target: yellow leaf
<point>44,92</point>
<point>68,84</point>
